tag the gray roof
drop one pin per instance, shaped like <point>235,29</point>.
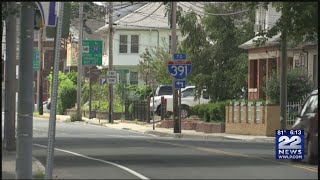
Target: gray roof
<point>270,42</point>
<point>89,27</point>
<point>151,15</point>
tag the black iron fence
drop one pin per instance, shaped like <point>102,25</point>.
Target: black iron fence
<point>136,109</point>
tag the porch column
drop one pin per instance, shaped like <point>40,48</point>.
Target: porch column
<point>260,78</point>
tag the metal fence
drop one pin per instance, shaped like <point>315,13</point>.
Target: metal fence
<point>138,110</point>
<point>293,109</point>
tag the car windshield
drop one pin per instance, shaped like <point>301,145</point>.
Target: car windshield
<point>189,92</point>
<point>164,90</point>
<point>310,106</point>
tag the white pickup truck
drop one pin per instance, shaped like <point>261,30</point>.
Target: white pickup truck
<point>187,100</point>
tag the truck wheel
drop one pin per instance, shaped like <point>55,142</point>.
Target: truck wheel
<point>184,112</point>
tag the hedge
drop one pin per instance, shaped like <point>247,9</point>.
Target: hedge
<point>214,111</point>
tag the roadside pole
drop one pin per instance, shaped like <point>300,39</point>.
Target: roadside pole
<point>10,81</point>
<point>90,92</point>
<point>110,12</point>
<point>39,73</point>
<point>283,81</point>
<point>173,51</point>
<point>79,114</point>
<point>283,74</point>
<point>52,120</point>
<point>25,98</point>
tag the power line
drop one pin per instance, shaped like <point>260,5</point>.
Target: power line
<point>218,14</point>
<point>142,18</point>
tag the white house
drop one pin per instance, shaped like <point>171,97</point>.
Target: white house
<point>146,27</point>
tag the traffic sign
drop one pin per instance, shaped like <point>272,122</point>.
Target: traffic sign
<point>111,77</point>
<point>36,60</point>
<point>180,83</point>
<point>111,80</point>
<point>179,57</point>
<point>49,12</point>
<point>91,53</point>
<point>179,69</point>
<point>112,74</point>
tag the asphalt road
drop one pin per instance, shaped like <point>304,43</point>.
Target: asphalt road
<point>86,151</point>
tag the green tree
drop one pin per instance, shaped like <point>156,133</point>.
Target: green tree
<point>153,65</point>
<point>212,45</point>
<point>299,85</point>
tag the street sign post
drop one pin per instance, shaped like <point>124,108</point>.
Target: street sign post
<point>91,53</point>
<point>36,60</point>
<point>179,68</point>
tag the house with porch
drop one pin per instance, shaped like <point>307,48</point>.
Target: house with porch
<point>263,60</point>
<point>146,27</point>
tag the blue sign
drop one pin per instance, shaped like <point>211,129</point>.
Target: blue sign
<point>49,11</point>
<point>179,57</point>
<point>180,83</point>
<point>179,69</point>
<point>290,144</point>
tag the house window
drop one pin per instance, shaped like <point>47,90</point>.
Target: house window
<point>133,77</point>
<point>123,78</point>
<point>123,47</point>
<point>134,43</point>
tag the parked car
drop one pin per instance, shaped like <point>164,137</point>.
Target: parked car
<point>308,121</point>
<point>187,101</point>
<point>163,90</point>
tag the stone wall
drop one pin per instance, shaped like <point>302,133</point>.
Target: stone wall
<point>252,120</point>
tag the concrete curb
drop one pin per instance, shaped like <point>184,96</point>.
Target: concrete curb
<point>37,168</point>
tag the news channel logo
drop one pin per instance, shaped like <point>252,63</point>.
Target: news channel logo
<point>290,144</point>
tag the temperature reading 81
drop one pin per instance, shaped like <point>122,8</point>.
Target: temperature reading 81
<point>181,69</point>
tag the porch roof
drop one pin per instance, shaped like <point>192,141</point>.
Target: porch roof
<point>270,42</point>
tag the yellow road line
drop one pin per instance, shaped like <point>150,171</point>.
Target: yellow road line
<point>312,169</point>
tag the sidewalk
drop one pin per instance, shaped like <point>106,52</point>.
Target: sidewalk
<point>165,132</point>
<point>9,166</point>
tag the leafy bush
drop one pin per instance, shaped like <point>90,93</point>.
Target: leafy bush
<point>214,111</point>
<point>67,96</point>
<point>73,117</point>
<point>298,85</point>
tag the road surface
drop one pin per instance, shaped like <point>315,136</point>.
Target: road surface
<point>86,151</point>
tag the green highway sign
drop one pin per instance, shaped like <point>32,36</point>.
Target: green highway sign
<point>36,60</point>
<point>91,53</point>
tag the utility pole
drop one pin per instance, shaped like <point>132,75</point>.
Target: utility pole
<point>173,51</point>
<point>79,114</point>
<point>283,73</point>
<point>52,119</point>
<point>39,77</point>
<point>90,93</point>
<point>110,12</point>
<point>283,81</point>
<point>25,98</point>
<point>10,81</point>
